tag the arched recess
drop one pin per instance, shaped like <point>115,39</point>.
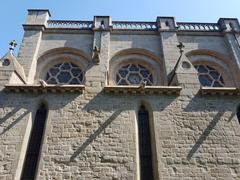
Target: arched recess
<point>215,60</point>
<point>146,142</point>
<point>138,56</point>
<point>238,113</point>
<point>61,55</point>
<point>33,152</point>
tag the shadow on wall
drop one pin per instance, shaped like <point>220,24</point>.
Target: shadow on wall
<point>93,136</point>
<point>207,104</point>
<point>204,135</point>
<point>115,104</point>
<point>99,104</point>
<point>14,107</point>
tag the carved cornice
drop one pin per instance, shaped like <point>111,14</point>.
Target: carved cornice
<point>44,89</point>
<point>166,90</point>
<point>220,91</point>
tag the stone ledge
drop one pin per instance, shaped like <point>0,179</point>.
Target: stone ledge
<point>44,89</point>
<point>167,90</point>
<point>220,91</point>
<point>36,27</point>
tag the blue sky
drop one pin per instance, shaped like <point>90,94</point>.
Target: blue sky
<point>13,13</point>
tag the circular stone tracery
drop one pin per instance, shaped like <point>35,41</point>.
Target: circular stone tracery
<point>134,74</point>
<point>64,73</point>
<point>209,76</point>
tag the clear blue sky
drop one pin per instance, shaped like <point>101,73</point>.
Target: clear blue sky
<point>13,13</point>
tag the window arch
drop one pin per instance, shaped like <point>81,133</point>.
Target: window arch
<point>209,76</point>
<point>134,66</point>
<point>133,74</point>
<point>225,71</point>
<point>145,150</point>
<point>65,73</point>
<point>34,144</point>
<point>69,64</point>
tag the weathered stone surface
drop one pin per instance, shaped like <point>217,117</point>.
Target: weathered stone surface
<point>93,134</point>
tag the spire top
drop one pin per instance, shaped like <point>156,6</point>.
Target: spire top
<point>12,44</point>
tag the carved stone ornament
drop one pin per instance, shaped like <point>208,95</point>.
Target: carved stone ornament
<point>96,55</point>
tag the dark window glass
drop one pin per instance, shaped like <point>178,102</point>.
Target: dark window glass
<point>34,144</point>
<point>145,149</point>
<point>134,74</point>
<point>238,114</point>
<point>65,73</point>
<point>209,76</point>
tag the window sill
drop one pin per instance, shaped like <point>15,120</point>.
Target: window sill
<point>31,88</point>
<point>220,91</point>
<point>167,90</point>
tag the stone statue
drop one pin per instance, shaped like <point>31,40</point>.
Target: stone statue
<point>96,55</point>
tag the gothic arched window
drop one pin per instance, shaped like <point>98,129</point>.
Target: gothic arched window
<point>238,114</point>
<point>65,73</point>
<point>209,76</point>
<point>134,74</point>
<point>34,144</point>
<point>145,150</point>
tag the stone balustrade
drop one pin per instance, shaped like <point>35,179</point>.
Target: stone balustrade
<point>70,24</point>
<point>182,26</point>
<point>126,25</point>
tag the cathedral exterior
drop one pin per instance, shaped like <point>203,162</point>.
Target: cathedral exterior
<point>117,100</point>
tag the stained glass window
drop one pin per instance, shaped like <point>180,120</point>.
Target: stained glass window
<point>209,76</point>
<point>238,114</point>
<point>145,150</point>
<point>65,73</point>
<point>34,145</point>
<point>134,74</point>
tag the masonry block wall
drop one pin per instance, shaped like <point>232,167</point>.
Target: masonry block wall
<point>93,133</point>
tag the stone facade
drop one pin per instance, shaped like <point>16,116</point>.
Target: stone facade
<point>91,130</point>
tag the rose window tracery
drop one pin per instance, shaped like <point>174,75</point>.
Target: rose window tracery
<point>134,74</point>
<point>65,73</point>
<point>209,76</point>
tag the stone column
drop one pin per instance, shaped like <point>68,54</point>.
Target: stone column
<point>96,76</point>
<point>167,30</point>
<point>231,29</point>
<point>34,26</point>
<point>182,73</point>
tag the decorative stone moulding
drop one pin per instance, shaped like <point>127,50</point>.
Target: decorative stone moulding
<point>44,89</point>
<point>220,91</point>
<point>136,26</point>
<point>166,90</point>
<point>187,26</point>
<point>86,25</point>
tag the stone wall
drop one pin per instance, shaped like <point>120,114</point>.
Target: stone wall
<point>94,135</point>
<point>195,138</point>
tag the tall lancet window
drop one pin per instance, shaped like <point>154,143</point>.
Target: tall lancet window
<point>238,114</point>
<point>34,144</point>
<point>145,150</point>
